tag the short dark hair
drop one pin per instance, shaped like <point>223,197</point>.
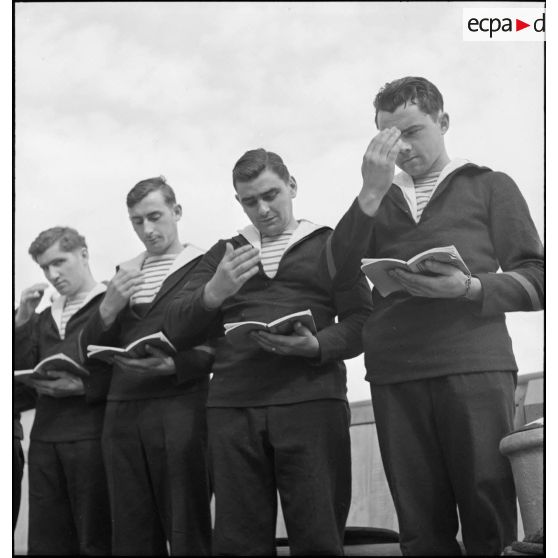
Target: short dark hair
<point>254,162</point>
<point>415,90</point>
<point>145,187</point>
<point>69,240</point>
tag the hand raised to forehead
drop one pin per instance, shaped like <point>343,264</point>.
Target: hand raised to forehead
<point>378,168</point>
<point>235,268</point>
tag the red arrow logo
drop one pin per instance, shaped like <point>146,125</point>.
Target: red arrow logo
<point>519,25</point>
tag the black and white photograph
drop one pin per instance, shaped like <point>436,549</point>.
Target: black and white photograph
<point>278,278</point>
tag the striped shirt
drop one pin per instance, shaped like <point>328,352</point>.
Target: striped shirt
<point>155,269</point>
<point>71,306</point>
<point>424,187</point>
<point>273,248</point>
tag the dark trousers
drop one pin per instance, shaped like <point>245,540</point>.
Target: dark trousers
<point>155,454</point>
<point>301,450</point>
<point>17,474</point>
<point>439,443</point>
<point>68,499</point>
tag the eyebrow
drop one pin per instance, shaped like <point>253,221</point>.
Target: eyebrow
<point>412,128</point>
<point>150,214</point>
<point>261,195</point>
<point>52,261</point>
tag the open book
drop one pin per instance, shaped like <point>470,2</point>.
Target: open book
<point>59,361</point>
<point>377,270</point>
<point>133,350</point>
<point>238,333</point>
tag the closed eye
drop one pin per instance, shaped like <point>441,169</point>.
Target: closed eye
<point>270,196</point>
<point>411,132</point>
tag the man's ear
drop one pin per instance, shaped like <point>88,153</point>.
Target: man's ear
<point>237,198</point>
<point>177,210</point>
<point>444,122</point>
<point>84,252</point>
<point>293,187</point>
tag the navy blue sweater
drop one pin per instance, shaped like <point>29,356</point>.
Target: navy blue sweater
<point>132,323</point>
<point>484,215</point>
<point>254,377</point>
<point>63,419</point>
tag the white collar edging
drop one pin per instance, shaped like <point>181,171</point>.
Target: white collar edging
<point>407,185</point>
<point>57,306</point>
<point>189,253</point>
<point>304,229</point>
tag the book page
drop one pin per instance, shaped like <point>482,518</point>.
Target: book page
<point>377,271</point>
<point>239,335</point>
<point>158,340</point>
<point>60,361</point>
<point>285,325</point>
<point>444,254</point>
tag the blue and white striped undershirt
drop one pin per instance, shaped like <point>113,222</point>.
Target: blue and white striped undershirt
<point>71,306</point>
<point>424,187</point>
<point>155,269</point>
<point>273,248</point>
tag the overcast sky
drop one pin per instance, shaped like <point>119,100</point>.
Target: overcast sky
<point>109,94</point>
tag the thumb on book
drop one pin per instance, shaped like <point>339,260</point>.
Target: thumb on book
<point>154,351</point>
<point>439,267</point>
<point>301,329</point>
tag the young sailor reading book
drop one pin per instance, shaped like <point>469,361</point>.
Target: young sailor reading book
<point>277,409</point>
<point>438,353</point>
<point>68,500</point>
<point>155,418</point>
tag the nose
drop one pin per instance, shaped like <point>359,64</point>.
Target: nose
<point>52,273</point>
<point>404,146</point>
<point>263,208</point>
<point>147,227</point>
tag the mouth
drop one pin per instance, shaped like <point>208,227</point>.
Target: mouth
<point>408,160</point>
<point>267,221</point>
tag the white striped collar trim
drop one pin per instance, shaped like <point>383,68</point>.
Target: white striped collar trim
<point>304,229</point>
<point>57,306</point>
<point>188,254</point>
<point>407,186</point>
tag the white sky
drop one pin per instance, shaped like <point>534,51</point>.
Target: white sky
<point>109,94</point>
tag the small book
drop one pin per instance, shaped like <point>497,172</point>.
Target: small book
<point>238,333</point>
<point>137,349</point>
<point>377,270</point>
<point>59,361</point>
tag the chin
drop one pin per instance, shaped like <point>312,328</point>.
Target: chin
<point>412,167</point>
<point>156,248</point>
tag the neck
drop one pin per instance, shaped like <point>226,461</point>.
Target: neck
<point>175,248</point>
<point>438,165</point>
<point>293,224</point>
<point>85,287</point>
